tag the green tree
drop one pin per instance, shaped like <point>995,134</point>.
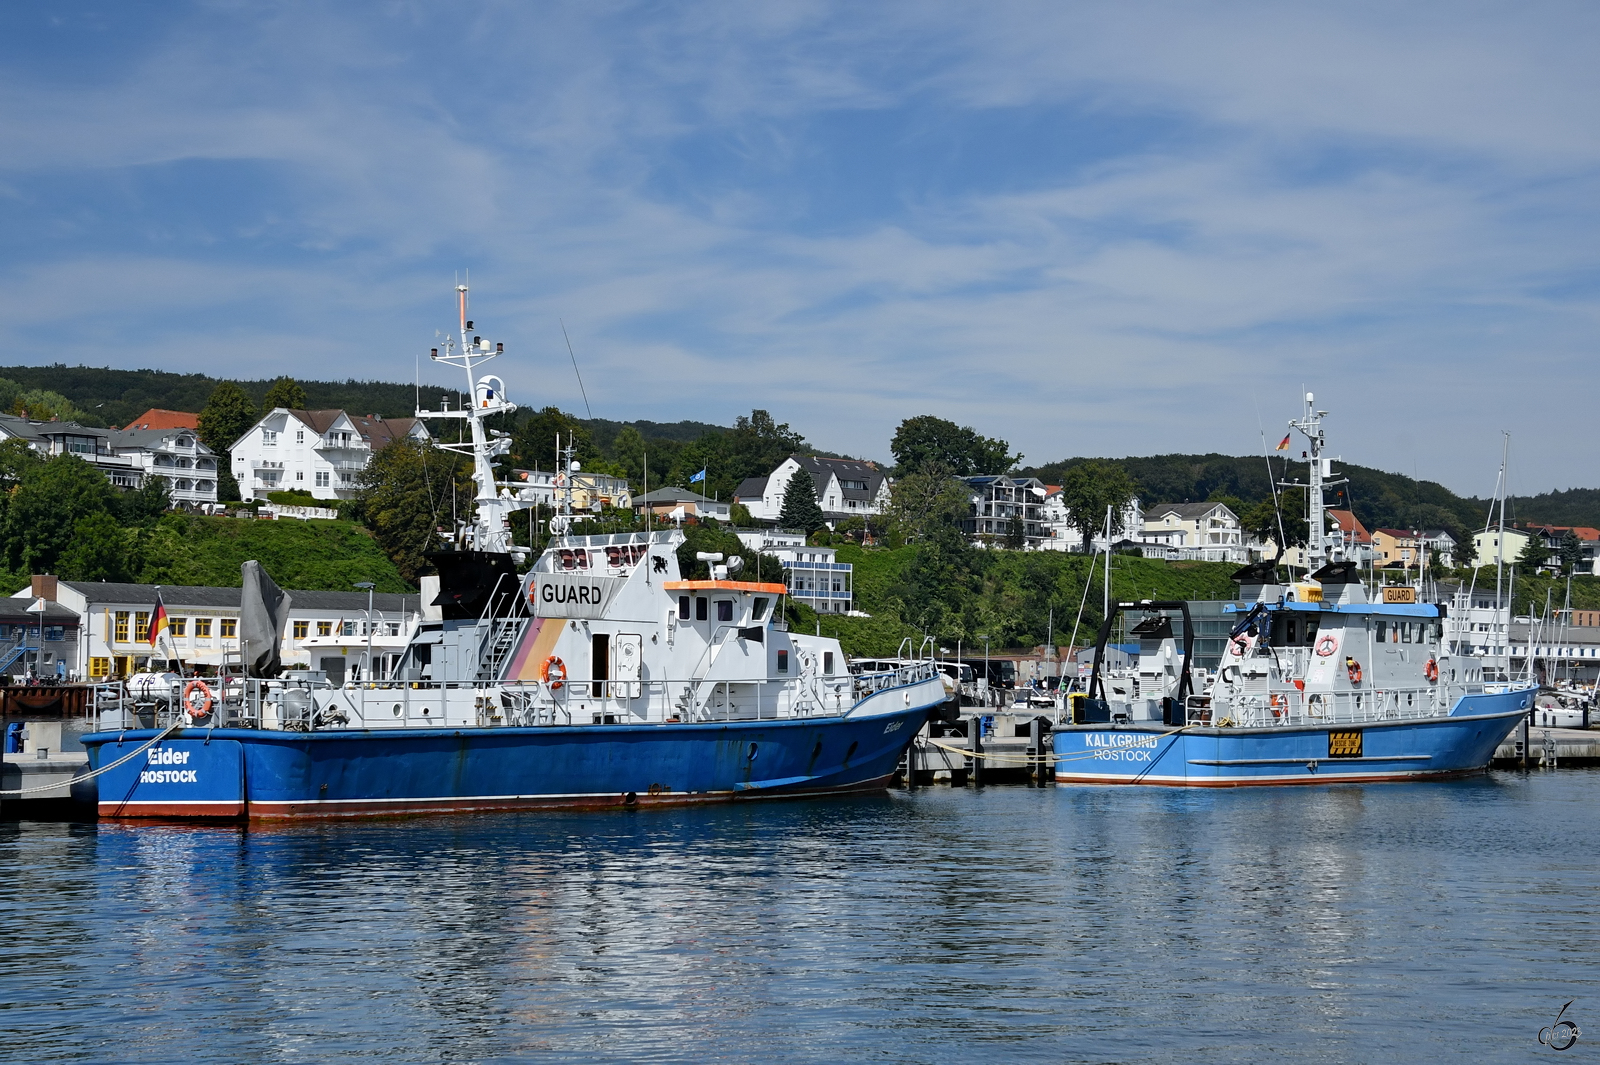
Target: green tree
<point>1088,489</point>
<point>1570,552</point>
<point>739,517</point>
<point>227,416</point>
<point>46,507</point>
<point>285,392</point>
<point>631,455</point>
<point>1534,554</point>
<point>1016,533</point>
<point>143,505</point>
<point>925,500</point>
<point>925,439</point>
<point>800,509</point>
<point>42,405</point>
<point>533,443</point>
<point>405,495</point>
<point>99,551</point>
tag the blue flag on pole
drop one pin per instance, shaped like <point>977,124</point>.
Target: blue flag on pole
<point>698,477</point>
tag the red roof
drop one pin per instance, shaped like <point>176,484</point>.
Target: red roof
<point>156,418</point>
<point>1350,526</point>
<point>1582,532</point>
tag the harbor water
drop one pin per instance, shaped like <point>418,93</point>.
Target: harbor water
<point>1423,922</point>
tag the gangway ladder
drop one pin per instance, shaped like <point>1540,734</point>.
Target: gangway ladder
<point>504,640</point>
<point>1549,759</point>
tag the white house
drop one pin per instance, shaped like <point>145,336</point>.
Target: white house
<point>128,457</point>
<point>1060,534</point>
<point>813,575</point>
<point>189,467</point>
<point>323,452</point>
<point>1207,531</point>
<point>846,488</point>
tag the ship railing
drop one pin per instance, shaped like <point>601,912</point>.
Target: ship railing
<point>1329,708</point>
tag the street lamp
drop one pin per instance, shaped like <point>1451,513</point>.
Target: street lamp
<point>367,664</point>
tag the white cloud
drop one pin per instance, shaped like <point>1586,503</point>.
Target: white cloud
<point>1398,203</point>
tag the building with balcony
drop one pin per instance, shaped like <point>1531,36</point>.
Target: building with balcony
<point>323,452</point>
<point>846,488</point>
<point>814,575</point>
<point>128,457</point>
<point>1208,532</point>
<point>189,467</point>
<point>996,501</point>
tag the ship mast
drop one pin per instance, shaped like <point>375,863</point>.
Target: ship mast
<point>1318,551</point>
<point>490,528</point>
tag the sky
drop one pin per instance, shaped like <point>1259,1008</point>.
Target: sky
<point>1089,229</point>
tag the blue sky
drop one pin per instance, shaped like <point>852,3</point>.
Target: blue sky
<point>1112,229</point>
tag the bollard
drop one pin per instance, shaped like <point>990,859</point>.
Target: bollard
<point>1035,753</point>
<point>975,727</point>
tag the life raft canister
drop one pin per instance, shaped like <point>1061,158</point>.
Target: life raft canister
<point>553,672</point>
<point>205,701</point>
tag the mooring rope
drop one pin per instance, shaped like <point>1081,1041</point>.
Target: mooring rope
<point>103,769</point>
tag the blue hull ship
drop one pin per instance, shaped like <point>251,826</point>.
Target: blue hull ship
<point>265,774</point>
<point>1319,683</point>
<point>617,670</point>
<point>1298,754</point>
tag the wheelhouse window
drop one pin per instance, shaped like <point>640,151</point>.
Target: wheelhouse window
<point>759,611</point>
<point>683,608</point>
<point>724,609</point>
<point>700,607</point>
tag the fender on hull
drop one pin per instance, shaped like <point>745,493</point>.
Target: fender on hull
<point>245,773</point>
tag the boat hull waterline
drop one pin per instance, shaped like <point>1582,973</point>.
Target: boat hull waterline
<point>198,773</point>
<point>1366,752</point>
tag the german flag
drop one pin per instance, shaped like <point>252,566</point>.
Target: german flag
<point>1283,445</point>
<point>158,620</point>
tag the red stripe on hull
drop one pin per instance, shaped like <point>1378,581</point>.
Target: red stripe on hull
<point>287,811</point>
<point>172,810</point>
<point>1270,782</point>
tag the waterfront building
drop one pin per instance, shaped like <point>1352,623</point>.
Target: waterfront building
<point>814,575</point>
<point>323,452</point>
<point>97,629</point>
<point>846,488</point>
<point>677,503</point>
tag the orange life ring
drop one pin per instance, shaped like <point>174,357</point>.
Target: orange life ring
<point>556,666</point>
<point>1431,671</point>
<point>197,685</point>
<point>1326,646</point>
<point>1280,706</point>
<point>1353,668</point>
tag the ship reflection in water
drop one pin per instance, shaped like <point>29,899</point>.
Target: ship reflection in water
<point>1341,924</point>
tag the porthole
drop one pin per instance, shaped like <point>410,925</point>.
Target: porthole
<point>396,709</point>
